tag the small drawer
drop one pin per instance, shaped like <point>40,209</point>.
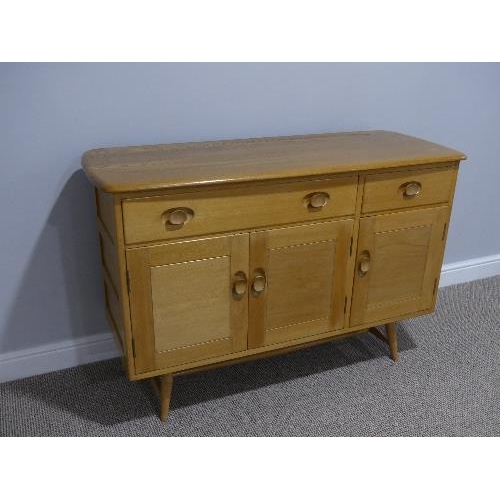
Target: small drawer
<point>204,212</point>
<point>409,188</point>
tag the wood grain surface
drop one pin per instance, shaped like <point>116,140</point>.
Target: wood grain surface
<point>137,168</point>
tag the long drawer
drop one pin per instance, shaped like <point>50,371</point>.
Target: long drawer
<point>182,215</point>
<point>407,189</point>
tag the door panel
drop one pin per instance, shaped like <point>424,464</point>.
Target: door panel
<point>302,283</point>
<point>398,264</point>
<point>198,311</point>
<point>182,302</point>
<point>305,268</point>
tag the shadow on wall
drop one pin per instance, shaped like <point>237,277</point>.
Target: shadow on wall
<point>60,296</point>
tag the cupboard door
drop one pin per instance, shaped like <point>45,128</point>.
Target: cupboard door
<point>298,281</point>
<point>398,264</point>
<point>188,300</point>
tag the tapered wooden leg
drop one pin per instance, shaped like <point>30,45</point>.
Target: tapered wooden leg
<point>163,387</point>
<point>166,384</point>
<point>392,339</point>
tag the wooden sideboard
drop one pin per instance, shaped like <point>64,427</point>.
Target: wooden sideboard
<point>217,252</point>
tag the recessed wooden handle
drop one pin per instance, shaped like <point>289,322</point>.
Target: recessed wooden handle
<point>411,189</point>
<point>364,263</point>
<point>317,200</point>
<point>240,284</point>
<point>259,282</point>
<point>177,217</point>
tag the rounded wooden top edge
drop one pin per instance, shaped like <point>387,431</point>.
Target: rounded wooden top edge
<point>134,187</point>
<point>96,171</point>
<point>88,156</point>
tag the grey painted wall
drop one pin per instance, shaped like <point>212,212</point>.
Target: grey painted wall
<point>50,284</point>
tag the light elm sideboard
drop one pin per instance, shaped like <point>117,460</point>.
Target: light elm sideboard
<point>215,252</point>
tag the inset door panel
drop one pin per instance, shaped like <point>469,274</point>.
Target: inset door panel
<point>410,245</point>
<point>184,302</point>
<point>204,290</point>
<point>398,264</point>
<point>293,284</point>
<point>305,271</point>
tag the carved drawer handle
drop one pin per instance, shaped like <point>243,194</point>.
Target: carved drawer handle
<point>364,263</point>
<point>239,284</point>
<point>317,200</point>
<point>411,189</point>
<point>259,282</point>
<point>177,217</point>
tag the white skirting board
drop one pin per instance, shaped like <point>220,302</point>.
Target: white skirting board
<point>68,353</point>
<point>57,356</point>
<point>470,270</point>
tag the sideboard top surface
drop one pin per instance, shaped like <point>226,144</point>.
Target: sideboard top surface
<point>139,168</point>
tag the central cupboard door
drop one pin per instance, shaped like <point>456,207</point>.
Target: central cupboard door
<point>298,281</point>
<point>188,300</point>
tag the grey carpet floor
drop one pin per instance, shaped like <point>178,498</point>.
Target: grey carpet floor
<point>446,383</point>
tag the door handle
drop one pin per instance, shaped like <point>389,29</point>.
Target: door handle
<point>364,263</point>
<point>239,284</point>
<point>259,282</point>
